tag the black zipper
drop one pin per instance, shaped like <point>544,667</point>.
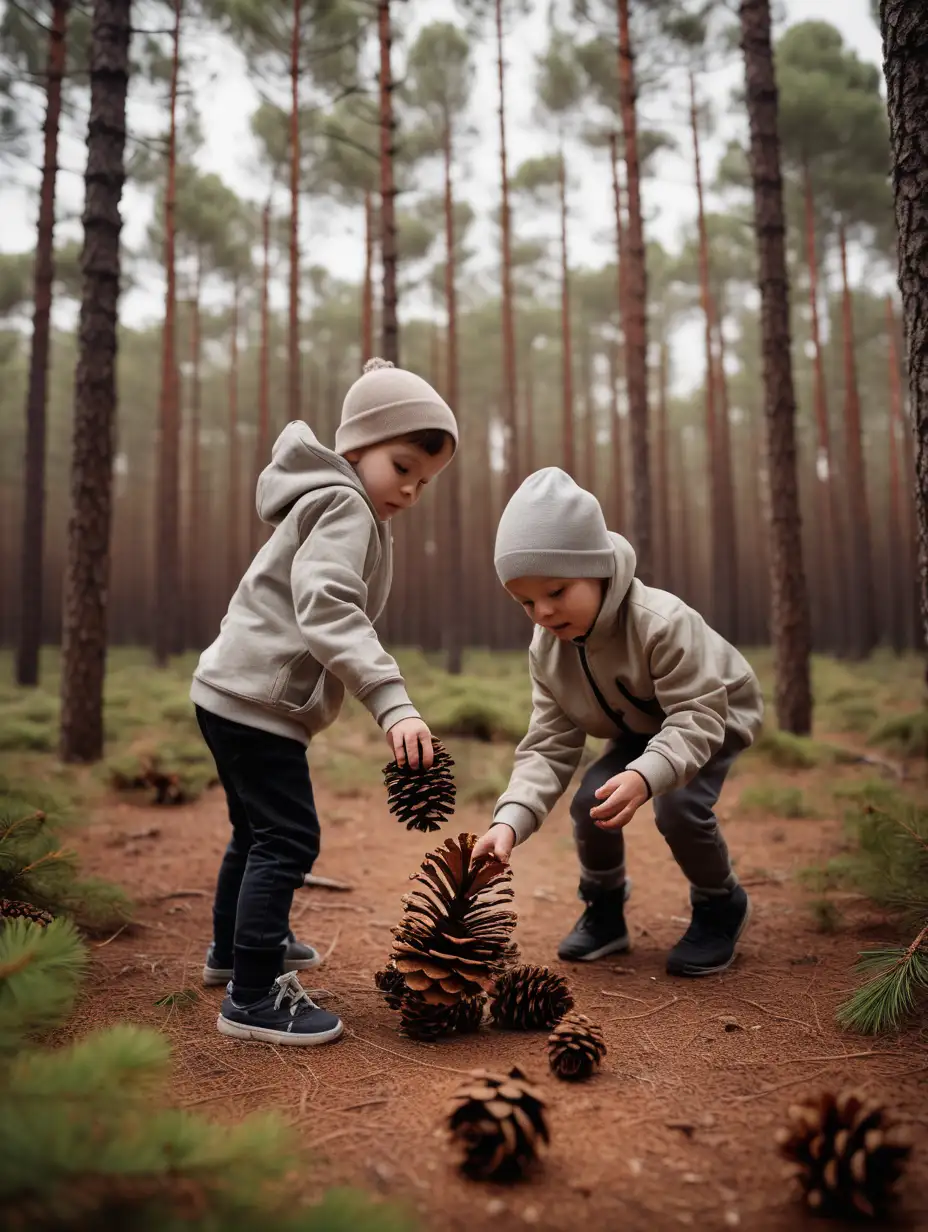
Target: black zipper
<point>616,716</point>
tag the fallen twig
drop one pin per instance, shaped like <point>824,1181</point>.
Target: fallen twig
<point>773,1014</point>
<point>365,1103</point>
<point>327,883</point>
<point>331,949</point>
<point>205,1099</point>
<point>657,1008</point>
<point>163,898</point>
<point>623,995</point>
<point>121,929</point>
<point>403,1057</point>
<point>744,1099</point>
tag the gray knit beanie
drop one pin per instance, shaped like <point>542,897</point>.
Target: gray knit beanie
<point>552,528</point>
<point>386,402</point>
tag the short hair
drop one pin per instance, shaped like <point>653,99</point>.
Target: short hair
<point>430,440</point>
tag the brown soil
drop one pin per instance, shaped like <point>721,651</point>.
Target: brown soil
<point>677,1128</point>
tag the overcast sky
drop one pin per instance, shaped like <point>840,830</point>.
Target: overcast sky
<point>225,100</point>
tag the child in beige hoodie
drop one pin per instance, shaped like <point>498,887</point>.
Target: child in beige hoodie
<point>615,659</point>
<point>299,634</point>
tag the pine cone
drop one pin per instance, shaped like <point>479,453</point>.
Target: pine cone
<point>12,910</point>
<point>847,1153</point>
<point>422,799</point>
<point>422,1021</point>
<point>392,985</point>
<point>575,1047</point>
<point>529,999</point>
<point>498,1123</point>
<point>455,928</point>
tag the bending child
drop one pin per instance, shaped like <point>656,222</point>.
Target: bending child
<point>615,659</point>
<point>297,635</point>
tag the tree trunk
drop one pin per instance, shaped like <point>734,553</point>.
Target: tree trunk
<point>590,476</point>
<point>167,556</point>
<point>293,364</point>
<point>899,550</point>
<point>726,469</point>
<point>527,435</point>
<point>567,359</point>
<point>864,623</point>
<point>617,478</point>
<point>83,655</point>
<point>367,293</point>
<point>789,615</point>
<point>636,339</point>
<point>195,537</point>
<point>618,452</point>
<point>453,576</point>
<point>263,437</point>
<point>33,528</point>
<point>510,377</point>
<point>663,462</point>
<point>389,323</point>
<point>233,457</point>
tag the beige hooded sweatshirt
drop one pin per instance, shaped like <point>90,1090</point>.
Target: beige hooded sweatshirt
<point>299,629</point>
<point>650,665</point>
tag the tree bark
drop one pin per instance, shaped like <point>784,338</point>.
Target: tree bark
<point>510,376</point>
<point>367,292</point>
<point>663,462</point>
<point>263,438</point>
<point>618,453</point>
<point>864,623</point>
<point>233,457</point>
<point>636,340</point>
<point>567,359</point>
<point>899,544</point>
<point>167,554</point>
<point>617,478</point>
<point>726,470</point>
<point>389,324</point>
<point>33,527</point>
<point>293,366</point>
<point>195,538</point>
<point>83,660</point>
<point>453,622</point>
<point>789,610</point>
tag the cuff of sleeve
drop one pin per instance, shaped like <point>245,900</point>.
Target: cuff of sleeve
<point>656,771</point>
<point>389,703</point>
<point>518,818</point>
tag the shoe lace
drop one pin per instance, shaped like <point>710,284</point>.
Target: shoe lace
<point>290,989</point>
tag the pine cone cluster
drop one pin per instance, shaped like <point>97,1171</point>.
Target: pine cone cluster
<point>452,940</point>
<point>530,998</point>
<point>12,910</point>
<point>575,1047</point>
<point>422,799</point>
<point>497,1122</point>
<point>421,1020</point>
<point>847,1153</point>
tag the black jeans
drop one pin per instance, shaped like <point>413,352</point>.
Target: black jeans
<point>275,841</point>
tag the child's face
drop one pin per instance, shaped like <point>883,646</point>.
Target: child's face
<point>567,607</point>
<point>394,473</point>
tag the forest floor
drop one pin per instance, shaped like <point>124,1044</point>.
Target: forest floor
<point>677,1128</point>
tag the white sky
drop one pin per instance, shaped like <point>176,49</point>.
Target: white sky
<point>225,99</point>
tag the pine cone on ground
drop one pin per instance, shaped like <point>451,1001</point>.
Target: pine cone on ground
<point>422,1021</point>
<point>12,910</point>
<point>847,1153</point>
<point>497,1122</point>
<point>392,985</point>
<point>530,998</point>
<point>455,928</point>
<point>422,799</point>
<point>575,1047</point>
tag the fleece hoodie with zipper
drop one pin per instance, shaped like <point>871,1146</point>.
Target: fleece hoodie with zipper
<point>299,630</point>
<point>651,666</point>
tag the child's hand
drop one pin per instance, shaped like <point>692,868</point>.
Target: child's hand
<point>405,737</point>
<point>622,796</point>
<point>497,843</point>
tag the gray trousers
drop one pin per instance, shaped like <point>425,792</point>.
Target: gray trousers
<point>685,817</point>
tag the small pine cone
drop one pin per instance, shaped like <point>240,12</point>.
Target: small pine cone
<point>392,985</point>
<point>846,1153</point>
<point>530,999</point>
<point>497,1122</point>
<point>12,910</point>
<point>422,1021</point>
<point>422,799</point>
<point>575,1047</point>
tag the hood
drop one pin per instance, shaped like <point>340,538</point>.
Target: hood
<point>625,564</point>
<point>300,463</point>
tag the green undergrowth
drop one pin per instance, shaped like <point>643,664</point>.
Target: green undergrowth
<point>775,800</point>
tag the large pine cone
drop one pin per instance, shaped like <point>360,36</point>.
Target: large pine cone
<point>575,1047</point>
<point>12,910</point>
<point>422,799</point>
<point>392,985</point>
<point>497,1122</point>
<point>530,999</point>
<point>453,937</point>
<point>847,1153</point>
<point>421,1021</point>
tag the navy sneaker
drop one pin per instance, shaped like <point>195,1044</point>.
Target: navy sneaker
<point>708,945</point>
<point>601,929</point>
<point>286,1015</point>
<point>298,957</point>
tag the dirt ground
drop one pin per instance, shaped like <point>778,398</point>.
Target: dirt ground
<point>677,1128</point>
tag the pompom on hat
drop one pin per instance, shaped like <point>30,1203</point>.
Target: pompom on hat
<point>386,402</point>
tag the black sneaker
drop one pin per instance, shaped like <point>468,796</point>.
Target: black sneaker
<point>285,1016</point>
<point>601,929</point>
<point>708,945</point>
<point>298,957</point>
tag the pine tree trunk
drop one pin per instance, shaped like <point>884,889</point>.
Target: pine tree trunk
<point>510,377</point>
<point>263,438</point>
<point>195,538</point>
<point>567,359</point>
<point>33,526</point>
<point>233,457</point>
<point>389,324</point>
<point>453,624</point>
<point>83,656</point>
<point>789,615</point>
<point>663,462</point>
<point>527,432</point>
<point>293,344</point>
<point>367,293</point>
<point>167,556</point>
<point>898,555</point>
<point>618,450</point>
<point>617,478</point>
<point>590,476</point>
<point>636,338</point>
<point>864,624</point>
<point>726,471</point>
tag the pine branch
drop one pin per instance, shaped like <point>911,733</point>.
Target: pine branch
<point>890,996</point>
